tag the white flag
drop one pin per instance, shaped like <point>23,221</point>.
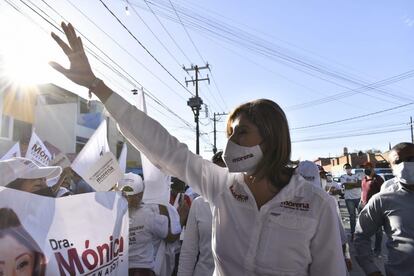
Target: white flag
<point>13,152</point>
<point>157,183</point>
<point>123,158</point>
<point>104,173</point>
<point>37,151</point>
<point>92,151</point>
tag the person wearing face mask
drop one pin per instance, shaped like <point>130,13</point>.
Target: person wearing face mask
<point>392,209</point>
<point>352,195</point>
<point>371,184</point>
<point>266,219</point>
<point>397,153</point>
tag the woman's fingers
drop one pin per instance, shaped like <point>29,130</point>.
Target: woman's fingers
<point>70,36</point>
<point>66,49</point>
<point>81,44</point>
<point>59,68</point>
<point>73,39</point>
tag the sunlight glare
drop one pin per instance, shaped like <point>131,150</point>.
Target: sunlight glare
<point>24,51</point>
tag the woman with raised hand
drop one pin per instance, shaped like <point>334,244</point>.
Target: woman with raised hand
<point>266,219</point>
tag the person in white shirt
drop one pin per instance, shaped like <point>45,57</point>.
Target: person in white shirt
<point>196,257</point>
<point>145,226</point>
<point>352,187</point>
<point>311,172</point>
<point>266,219</point>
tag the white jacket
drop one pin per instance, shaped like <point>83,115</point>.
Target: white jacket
<point>196,257</point>
<point>295,233</point>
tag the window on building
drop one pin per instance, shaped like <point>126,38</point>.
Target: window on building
<point>83,107</point>
<point>5,131</point>
<point>80,143</point>
<point>119,146</point>
<point>22,131</point>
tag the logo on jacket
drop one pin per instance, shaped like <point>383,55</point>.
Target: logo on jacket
<point>238,196</point>
<point>302,206</point>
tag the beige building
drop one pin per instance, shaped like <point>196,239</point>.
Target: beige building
<point>356,160</point>
<point>59,117</point>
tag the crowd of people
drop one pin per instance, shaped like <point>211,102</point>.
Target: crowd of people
<point>249,211</point>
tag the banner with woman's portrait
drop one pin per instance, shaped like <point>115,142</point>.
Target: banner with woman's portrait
<point>85,234</point>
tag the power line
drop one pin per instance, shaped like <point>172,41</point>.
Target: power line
<point>156,37</point>
<point>145,48</point>
<point>125,50</point>
<point>198,52</point>
<point>149,94</point>
<point>353,118</point>
<point>186,31</point>
<point>350,92</point>
<point>168,33</point>
<point>350,135</point>
<point>241,38</point>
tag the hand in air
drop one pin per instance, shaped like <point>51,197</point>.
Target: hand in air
<point>80,71</point>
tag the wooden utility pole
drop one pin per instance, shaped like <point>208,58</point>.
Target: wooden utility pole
<point>196,102</point>
<point>215,130</point>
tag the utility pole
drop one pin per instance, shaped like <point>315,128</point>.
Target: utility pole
<point>196,102</point>
<point>215,131</point>
<point>411,125</point>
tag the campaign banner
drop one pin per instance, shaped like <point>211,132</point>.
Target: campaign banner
<point>13,152</point>
<point>96,146</point>
<point>104,173</point>
<point>37,151</point>
<point>85,234</point>
<point>157,183</point>
<point>122,160</point>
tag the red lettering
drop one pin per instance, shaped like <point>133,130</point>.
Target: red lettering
<point>69,267</point>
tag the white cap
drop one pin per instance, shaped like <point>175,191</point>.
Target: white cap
<point>310,171</point>
<point>131,184</point>
<point>19,167</point>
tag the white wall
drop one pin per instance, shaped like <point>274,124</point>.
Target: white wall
<point>57,124</point>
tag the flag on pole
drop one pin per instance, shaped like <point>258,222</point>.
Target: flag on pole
<point>157,183</point>
<point>37,151</point>
<point>92,151</point>
<point>13,152</point>
<point>123,158</point>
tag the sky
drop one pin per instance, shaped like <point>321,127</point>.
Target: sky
<point>341,70</point>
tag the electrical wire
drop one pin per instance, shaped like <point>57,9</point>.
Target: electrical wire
<point>353,118</point>
<point>145,48</point>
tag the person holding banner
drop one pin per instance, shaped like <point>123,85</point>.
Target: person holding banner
<point>19,252</point>
<point>266,219</point>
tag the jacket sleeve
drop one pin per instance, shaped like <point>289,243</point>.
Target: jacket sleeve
<point>190,247</point>
<point>370,219</point>
<point>164,150</point>
<point>326,247</point>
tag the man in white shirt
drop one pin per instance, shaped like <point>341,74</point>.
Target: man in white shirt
<point>146,225</point>
<point>311,172</point>
<point>352,187</point>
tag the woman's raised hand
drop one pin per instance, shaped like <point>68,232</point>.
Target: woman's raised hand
<point>80,70</point>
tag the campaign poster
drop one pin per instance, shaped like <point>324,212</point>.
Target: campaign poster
<point>84,234</point>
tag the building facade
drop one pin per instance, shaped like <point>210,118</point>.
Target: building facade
<point>58,116</point>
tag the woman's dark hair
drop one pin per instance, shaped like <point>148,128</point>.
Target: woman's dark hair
<point>10,226</point>
<point>274,129</point>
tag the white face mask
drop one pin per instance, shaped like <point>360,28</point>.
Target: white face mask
<point>241,159</point>
<point>405,172</point>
